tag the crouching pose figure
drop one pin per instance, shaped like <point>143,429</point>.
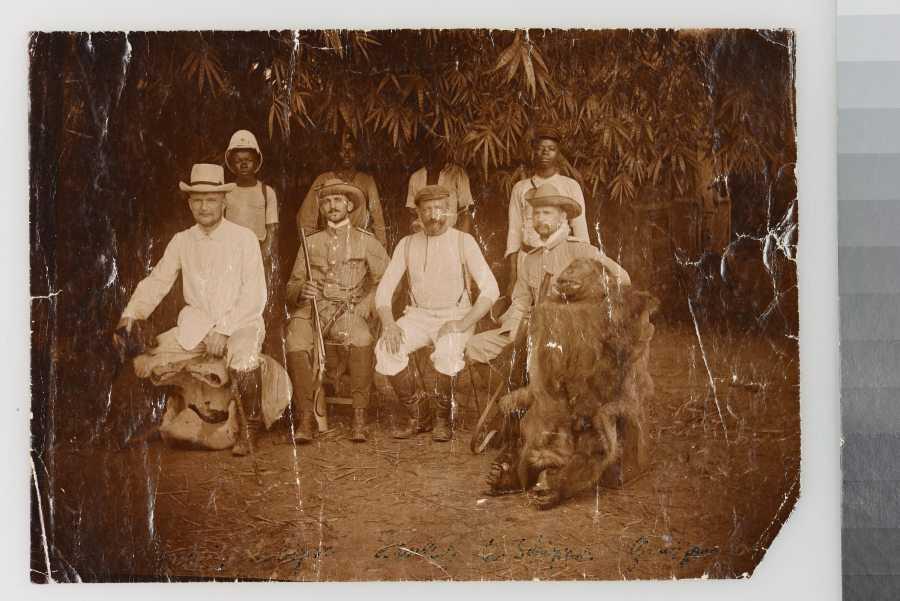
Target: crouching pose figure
<point>588,377</point>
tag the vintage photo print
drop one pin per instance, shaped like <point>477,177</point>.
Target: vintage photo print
<point>459,304</point>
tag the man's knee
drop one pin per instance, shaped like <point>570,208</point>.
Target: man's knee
<point>355,332</point>
<point>244,364</point>
<point>387,363</point>
<point>447,357</point>
<point>243,351</point>
<point>486,346</point>
<point>361,336</point>
<point>299,336</point>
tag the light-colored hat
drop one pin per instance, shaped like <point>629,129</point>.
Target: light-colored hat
<point>206,177</point>
<point>336,186</point>
<point>546,195</point>
<point>436,192</point>
<point>243,140</point>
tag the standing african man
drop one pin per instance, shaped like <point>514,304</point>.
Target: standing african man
<point>521,233</point>
<point>367,214</point>
<point>539,266</point>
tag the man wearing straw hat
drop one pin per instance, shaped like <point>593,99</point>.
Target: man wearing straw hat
<point>224,290</point>
<point>550,253</point>
<point>346,265</point>
<point>521,234</point>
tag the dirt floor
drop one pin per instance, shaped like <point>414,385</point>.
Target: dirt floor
<point>724,426</point>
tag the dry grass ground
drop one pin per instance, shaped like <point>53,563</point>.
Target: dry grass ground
<point>725,434</point>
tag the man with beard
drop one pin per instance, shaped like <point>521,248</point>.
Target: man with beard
<point>224,290</point>
<point>347,264</point>
<point>438,263</point>
<point>538,267</point>
<point>438,170</point>
<point>367,214</point>
<point>521,234</point>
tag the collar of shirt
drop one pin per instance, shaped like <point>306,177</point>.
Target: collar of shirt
<point>439,236</point>
<point>335,228</point>
<point>219,233</point>
<point>537,180</point>
<point>554,240</point>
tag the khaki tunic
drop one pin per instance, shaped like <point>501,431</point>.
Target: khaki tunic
<point>549,260</point>
<point>349,263</point>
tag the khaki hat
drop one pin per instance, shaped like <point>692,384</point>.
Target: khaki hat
<point>243,140</point>
<point>206,177</point>
<point>337,186</point>
<point>546,195</point>
<point>435,192</point>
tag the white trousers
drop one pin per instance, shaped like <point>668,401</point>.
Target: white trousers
<point>420,327</point>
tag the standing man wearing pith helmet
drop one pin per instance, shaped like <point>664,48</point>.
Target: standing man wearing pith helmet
<point>521,234</point>
<point>224,293</point>
<point>254,205</point>
<point>251,203</point>
<point>539,266</point>
<point>346,265</point>
<point>438,262</point>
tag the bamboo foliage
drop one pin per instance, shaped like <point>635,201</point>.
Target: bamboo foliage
<point>638,108</point>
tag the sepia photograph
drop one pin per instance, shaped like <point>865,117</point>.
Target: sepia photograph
<point>412,304</point>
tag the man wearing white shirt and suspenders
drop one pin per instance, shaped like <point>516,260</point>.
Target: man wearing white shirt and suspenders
<point>438,263</point>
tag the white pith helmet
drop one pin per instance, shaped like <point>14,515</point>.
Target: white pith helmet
<point>243,140</point>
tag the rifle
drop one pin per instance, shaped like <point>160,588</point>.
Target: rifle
<point>319,359</point>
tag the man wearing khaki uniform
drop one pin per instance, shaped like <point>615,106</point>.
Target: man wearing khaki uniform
<point>347,263</point>
<point>538,267</point>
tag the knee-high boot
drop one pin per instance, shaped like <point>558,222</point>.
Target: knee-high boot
<point>301,374</point>
<point>242,389</point>
<point>415,420</point>
<point>361,364</point>
<point>442,395</point>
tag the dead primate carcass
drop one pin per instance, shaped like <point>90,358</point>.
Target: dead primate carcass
<point>580,418</point>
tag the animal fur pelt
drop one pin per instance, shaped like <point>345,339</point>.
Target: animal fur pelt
<point>588,346</point>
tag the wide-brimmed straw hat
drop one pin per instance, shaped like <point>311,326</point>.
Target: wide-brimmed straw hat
<point>336,186</point>
<point>206,177</point>
<point>546,195</point>
<point>435,192</point>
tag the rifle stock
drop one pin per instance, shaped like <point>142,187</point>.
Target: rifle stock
<point>319,359</point>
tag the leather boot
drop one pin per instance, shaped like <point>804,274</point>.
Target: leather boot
<point>242,446</point>
<point>299,369</point>
<point>241,387</point>
<point>442,400</point>
<point>255,428</point>
<point>305,429</point>
<point>361,364</point>
<point>358,429</point>
<point>405,386</point>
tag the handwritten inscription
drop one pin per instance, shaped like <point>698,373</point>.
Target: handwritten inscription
<point>531,550</point>
<point>492,550</point>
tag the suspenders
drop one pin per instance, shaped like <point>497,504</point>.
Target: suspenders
<point>467,289</point>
